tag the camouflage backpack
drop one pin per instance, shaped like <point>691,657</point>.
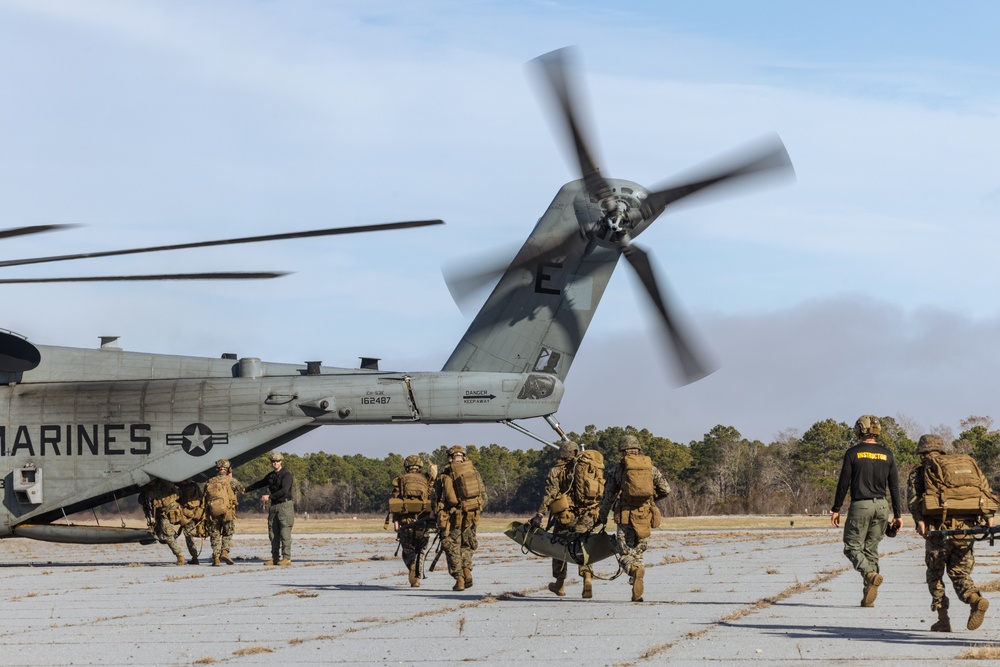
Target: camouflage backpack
<point>588,478</point>
<point>637,479</point>
<point>954,485</point>
<point>162,494</point>
<point>190,502</point>
<point>220,499</point>
<point>415,493</point>
<point>468,488</point>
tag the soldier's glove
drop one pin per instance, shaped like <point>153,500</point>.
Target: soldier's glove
<point>536,521</point>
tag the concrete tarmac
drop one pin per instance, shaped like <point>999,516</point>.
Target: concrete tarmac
<point>717,598</point>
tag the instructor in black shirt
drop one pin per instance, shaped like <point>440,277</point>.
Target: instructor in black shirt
<point>281,513</point>
<point>867,470</point>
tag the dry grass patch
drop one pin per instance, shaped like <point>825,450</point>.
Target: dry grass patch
<point>510,595</point>
<point>318,638</point>
<point>204,661</point>
<point>991,652</point>
<point>655,651</point>
<point>990,586</point>
<point>252,650</point>
<point>427,612</point>
<point>298,592</point>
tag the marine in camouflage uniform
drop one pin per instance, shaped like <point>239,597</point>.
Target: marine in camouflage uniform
<point>414,528</point>
<point>457,524</point>
<point>192,513</point>
<point>163,513</point>
<point>629,546</point>
<point>951,553</point>
<point>220,530</point>
<point>569,521</point>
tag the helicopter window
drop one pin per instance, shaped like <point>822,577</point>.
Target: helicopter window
<point>537,386</point>
<point>548,361</point>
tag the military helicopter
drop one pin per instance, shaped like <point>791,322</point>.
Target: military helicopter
<point>83,427</point>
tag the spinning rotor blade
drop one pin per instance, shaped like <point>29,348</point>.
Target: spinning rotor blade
<point>555,66</point>
<point>466,278</point>
<point>238,275</point>
<point>247,239</point>
<point>692,367</point>
<point>767,158</point>
<point>36,229</point>
<point>465,282</point>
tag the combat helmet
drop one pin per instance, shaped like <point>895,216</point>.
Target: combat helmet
<point>628,442</point>
<point>223,464</point>
<point>413,461</point>
<point>867,425</point>
<point>275,456</point>
<point>568,449</point>
<point>457,449</point>
<point>930,443</point>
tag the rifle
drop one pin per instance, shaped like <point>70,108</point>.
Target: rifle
<point>988,533</point>
<point>413,526</point>
<point>440,550</point>
<point>423,555</point>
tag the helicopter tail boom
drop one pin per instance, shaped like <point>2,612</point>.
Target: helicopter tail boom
<point>536,317</point>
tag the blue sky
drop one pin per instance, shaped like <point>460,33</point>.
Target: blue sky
<point>868,285</point>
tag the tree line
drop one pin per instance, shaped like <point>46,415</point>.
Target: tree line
<point>723,473</point>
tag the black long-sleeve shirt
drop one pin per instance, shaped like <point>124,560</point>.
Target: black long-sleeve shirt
<point>278,483</point>
<point>866,471</point>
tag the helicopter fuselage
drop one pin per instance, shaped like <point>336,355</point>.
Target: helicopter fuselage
<point>87,426</point>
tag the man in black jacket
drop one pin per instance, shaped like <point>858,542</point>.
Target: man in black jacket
<point>868,471</point>
<point>281,513</point>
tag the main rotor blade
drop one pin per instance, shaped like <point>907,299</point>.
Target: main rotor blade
<point>35,229</point>
<point>238,275</point>
<point>767,157</point>
<point>554,66</point>
<point>247,239</point>
<point>692,367</point>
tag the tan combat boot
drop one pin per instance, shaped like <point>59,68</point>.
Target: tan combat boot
<point>284,562</point>
<point>872,581</point>
<point>977,610</point>
<point>412,576</point>
<point>558,586</point>
<point>459,584</point>
<point>637,584</point>
<point>943,623</point>
<point>180,559</point>
<point>588,585</point>
<point>226,559</point>
<point>467,575</point>
<point>215,561</point>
